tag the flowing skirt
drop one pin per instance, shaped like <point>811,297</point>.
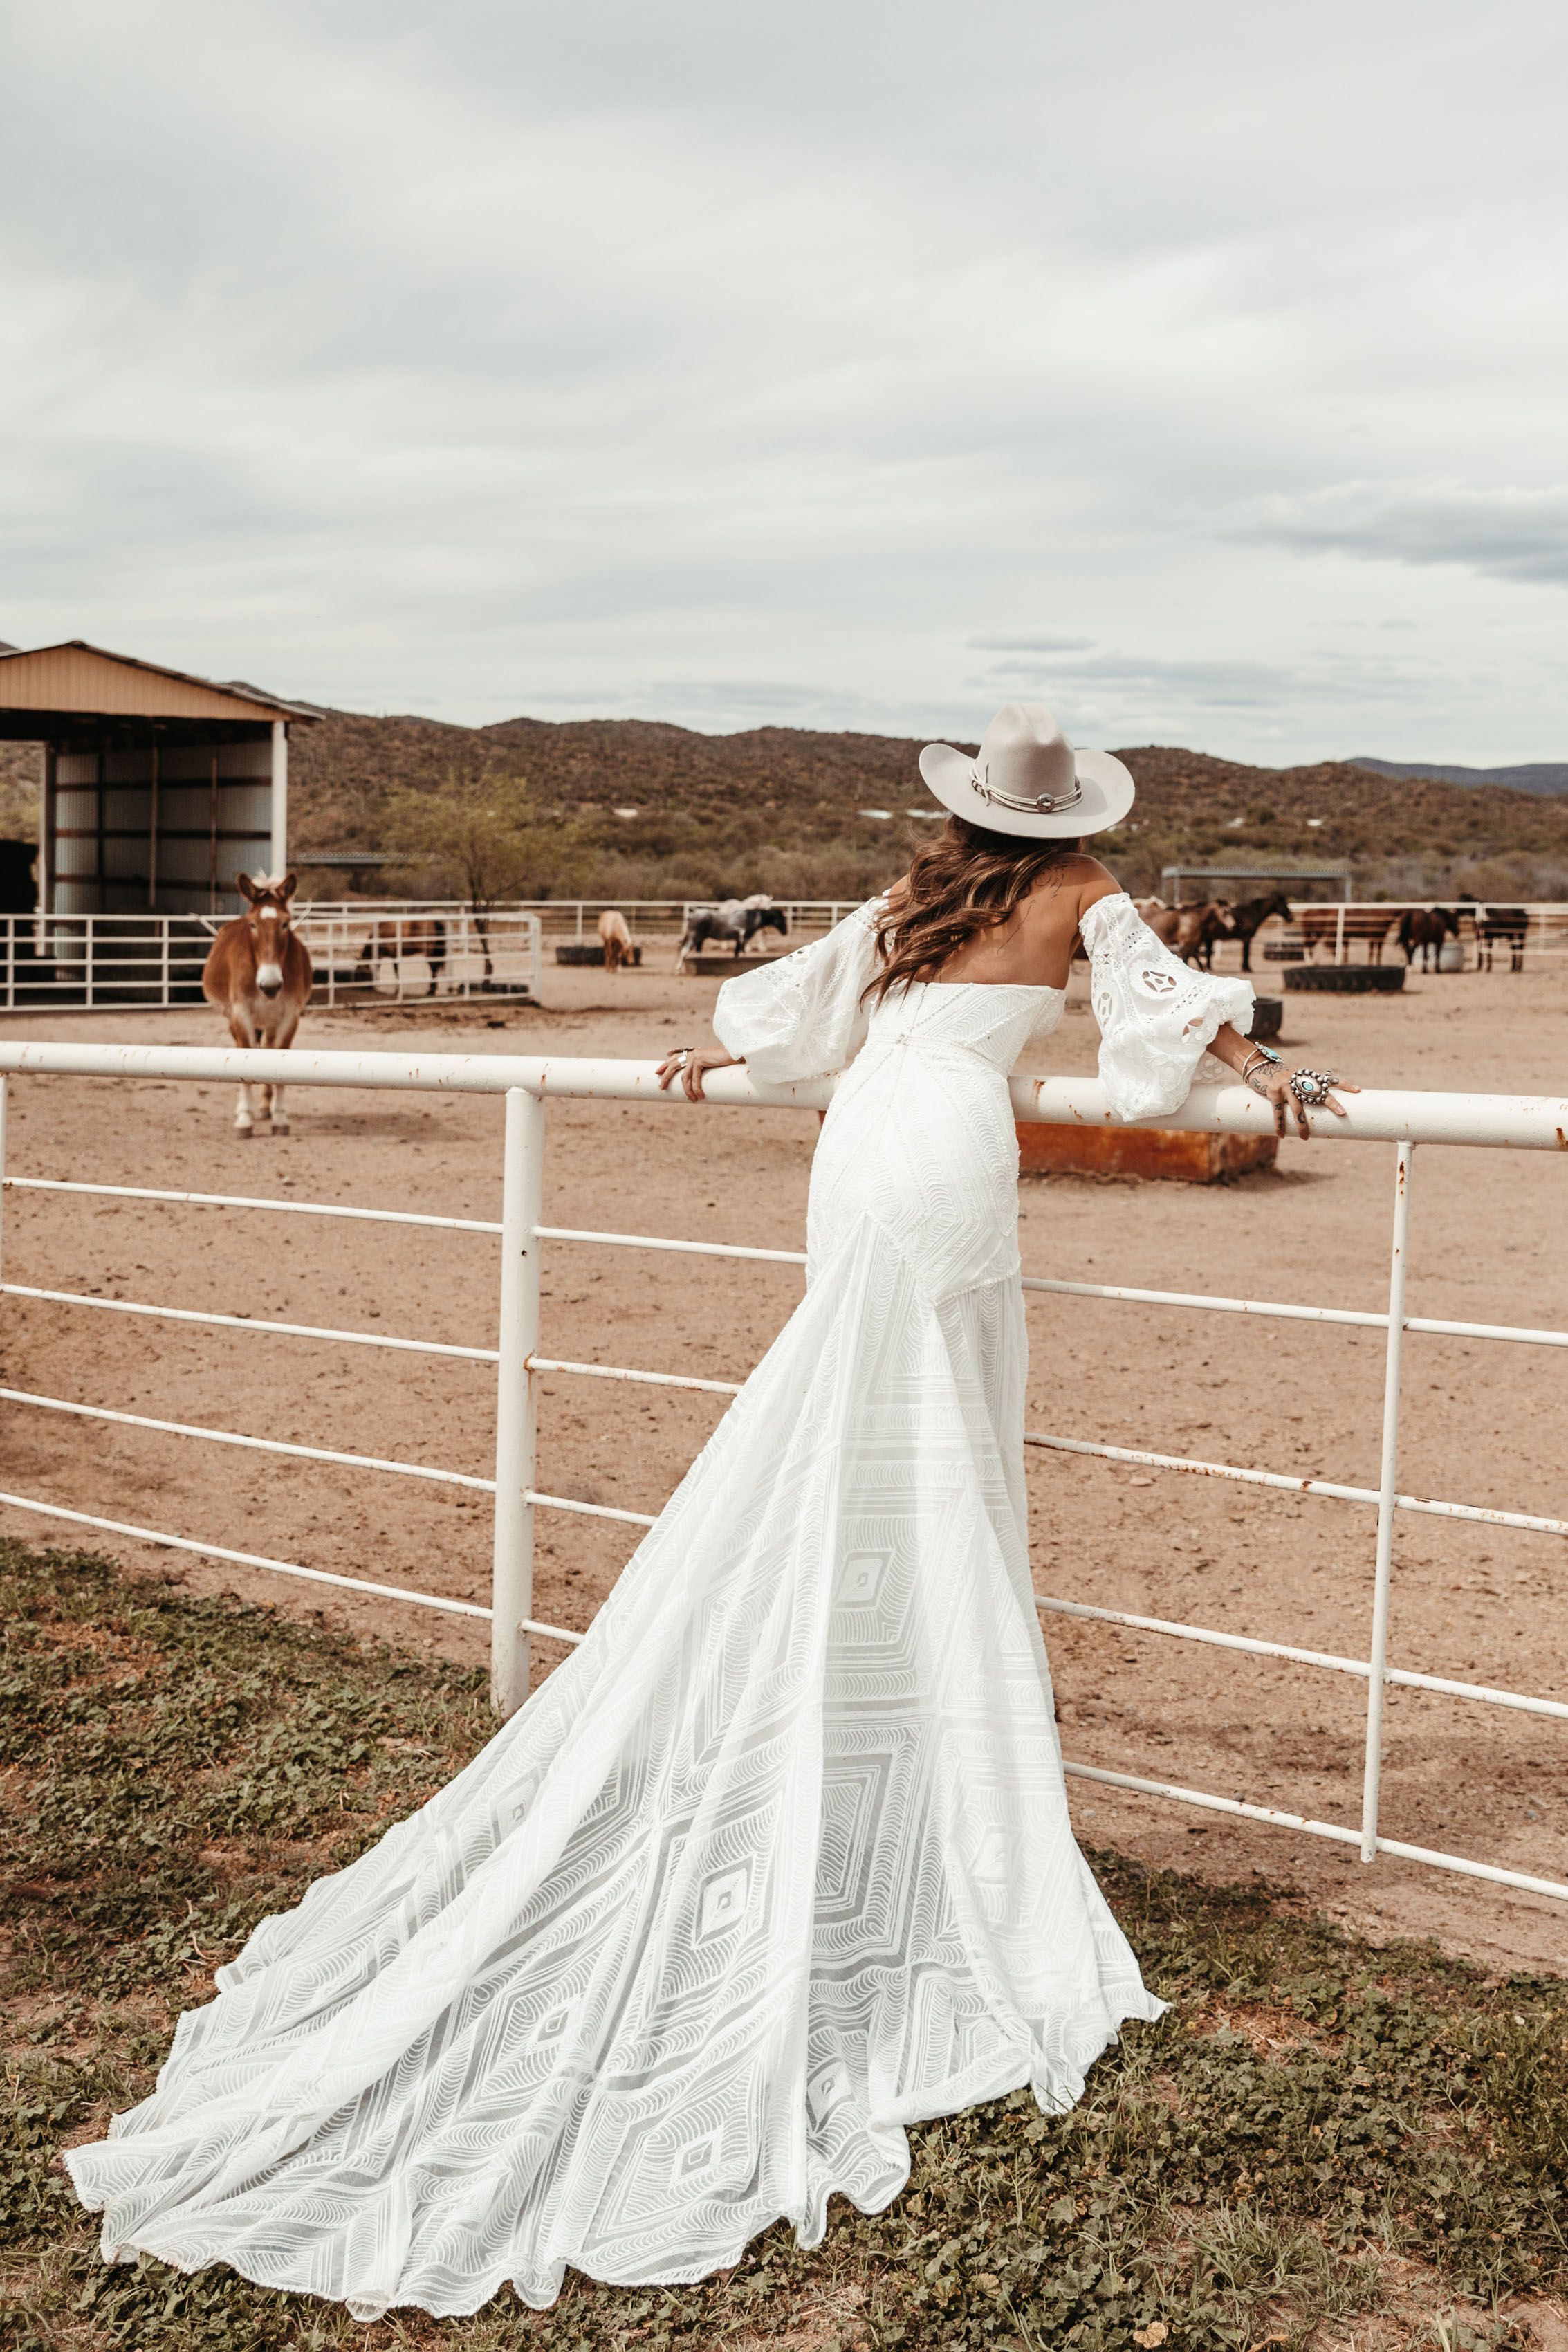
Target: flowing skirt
<point>776,1864</point>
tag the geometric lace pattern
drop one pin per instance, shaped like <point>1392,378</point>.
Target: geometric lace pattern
<point>776,1864</point>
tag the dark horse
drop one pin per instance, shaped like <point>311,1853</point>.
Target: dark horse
<point>1247,920</point>
<point>735,920</point>
<point>1505,925</point>
<point>1422,931</point>
<point>762,918</point>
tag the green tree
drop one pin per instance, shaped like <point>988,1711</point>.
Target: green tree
<point>487,837</point>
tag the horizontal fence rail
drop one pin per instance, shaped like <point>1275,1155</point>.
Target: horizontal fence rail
<point>406,950</point>
<point>1407,1120</point>
<point>399,951</point>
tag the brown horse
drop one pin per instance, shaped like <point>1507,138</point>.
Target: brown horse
<point>259,976</point>
<point>401,937</point>
<point>1189,933</point>
<point>1422,931</point>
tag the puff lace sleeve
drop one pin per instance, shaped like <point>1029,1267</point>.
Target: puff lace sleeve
<point>802,1017</point>
<point>1156,1015</point>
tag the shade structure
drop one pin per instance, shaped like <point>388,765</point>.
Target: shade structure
<point>158,787</point>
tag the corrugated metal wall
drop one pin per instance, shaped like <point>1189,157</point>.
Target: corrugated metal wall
<point>212,820</point>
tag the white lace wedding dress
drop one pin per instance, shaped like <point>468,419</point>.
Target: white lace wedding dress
<point>779,1861</point>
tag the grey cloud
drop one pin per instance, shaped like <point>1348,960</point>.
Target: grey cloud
<point>1139,678</point>
<point>726,364</point>
<point>1031,645</point>
<point>1509,533</point>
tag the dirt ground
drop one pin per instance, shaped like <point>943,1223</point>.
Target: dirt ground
<point>1483,1422</point>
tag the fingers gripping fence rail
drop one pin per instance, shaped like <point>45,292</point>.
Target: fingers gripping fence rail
<point>1407,1121</point>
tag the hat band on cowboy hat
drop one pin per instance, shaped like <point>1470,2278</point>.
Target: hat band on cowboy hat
<point>1026,780</point>
<point>1043,804</point>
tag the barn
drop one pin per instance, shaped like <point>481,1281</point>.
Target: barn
<point>158,787</point>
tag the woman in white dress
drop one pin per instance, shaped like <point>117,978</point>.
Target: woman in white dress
<point>779,1861</point>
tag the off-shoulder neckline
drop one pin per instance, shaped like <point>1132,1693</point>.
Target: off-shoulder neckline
<point>1030,987</point>
<point>1024,987</point>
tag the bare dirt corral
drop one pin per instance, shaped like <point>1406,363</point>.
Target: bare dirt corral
<point>1483,1424</point>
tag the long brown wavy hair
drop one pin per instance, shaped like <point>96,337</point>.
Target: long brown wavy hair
<point>966,880</point>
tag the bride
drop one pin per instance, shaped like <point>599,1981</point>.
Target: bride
<point>779,1861</point>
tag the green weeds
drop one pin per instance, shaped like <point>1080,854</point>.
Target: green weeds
<point>1320,2144</point>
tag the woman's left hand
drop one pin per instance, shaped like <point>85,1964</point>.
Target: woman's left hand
<point>1277,1085</point>
<point>688,1064</point>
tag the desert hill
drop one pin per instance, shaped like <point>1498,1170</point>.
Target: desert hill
<point>1533,776</point>
<point>782,808</point>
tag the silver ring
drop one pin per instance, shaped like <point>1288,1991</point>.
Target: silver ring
<point>1310,1087</point>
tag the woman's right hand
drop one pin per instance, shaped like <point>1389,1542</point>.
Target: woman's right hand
<point>688,1062</point>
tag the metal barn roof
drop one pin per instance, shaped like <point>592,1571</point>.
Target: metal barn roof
<point>59,686</point>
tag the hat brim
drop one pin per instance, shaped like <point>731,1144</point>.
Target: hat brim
<point>1106,788</point>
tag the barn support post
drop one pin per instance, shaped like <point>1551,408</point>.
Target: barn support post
<point>212,835</point>
<point>280,796</point>
<point>152,841</point>
<point>1376,1679</point>
<point>46,863</point>
<point>517,1407</point>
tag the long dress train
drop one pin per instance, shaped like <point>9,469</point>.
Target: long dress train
<point>779,1861</point>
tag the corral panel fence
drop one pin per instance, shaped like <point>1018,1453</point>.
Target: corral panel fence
<point>1333,931</point>
<point>1350,929</point>
<point>391,950</point>
<point>1410,1121</point>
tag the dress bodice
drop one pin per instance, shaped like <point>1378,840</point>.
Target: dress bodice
<point>993,1020</point>
<point>807,1014</point>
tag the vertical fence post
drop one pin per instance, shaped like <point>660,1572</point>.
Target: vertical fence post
<point>517,1413</point>
<point>1386,1492</point>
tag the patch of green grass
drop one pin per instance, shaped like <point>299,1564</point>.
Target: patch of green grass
<point>1320,2138</point>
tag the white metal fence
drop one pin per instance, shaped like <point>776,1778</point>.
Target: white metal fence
<point>396,949</point>
<point>414,948</point>
<point>575,918</point>
<point>1340,930</point>
<point>1406,1120</point>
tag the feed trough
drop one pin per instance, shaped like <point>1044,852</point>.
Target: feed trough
<point>1346,979</point>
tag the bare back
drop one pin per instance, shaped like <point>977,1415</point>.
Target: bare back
<point>1034,948</point>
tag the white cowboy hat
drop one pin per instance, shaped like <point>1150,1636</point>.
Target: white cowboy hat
<point>1028,778</point>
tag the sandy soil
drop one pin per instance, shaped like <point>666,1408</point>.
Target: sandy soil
<point>1483,1422</point>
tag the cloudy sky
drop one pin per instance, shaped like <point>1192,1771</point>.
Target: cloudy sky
<point>1198,368</point>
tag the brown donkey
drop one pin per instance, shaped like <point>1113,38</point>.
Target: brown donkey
<point>259,975</point>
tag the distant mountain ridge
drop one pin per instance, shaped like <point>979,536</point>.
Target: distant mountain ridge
<point>782,808</point>
<point>668,812</point>
<point>1548,776</point>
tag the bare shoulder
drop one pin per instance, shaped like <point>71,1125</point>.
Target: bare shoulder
<point>1083,878</point>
